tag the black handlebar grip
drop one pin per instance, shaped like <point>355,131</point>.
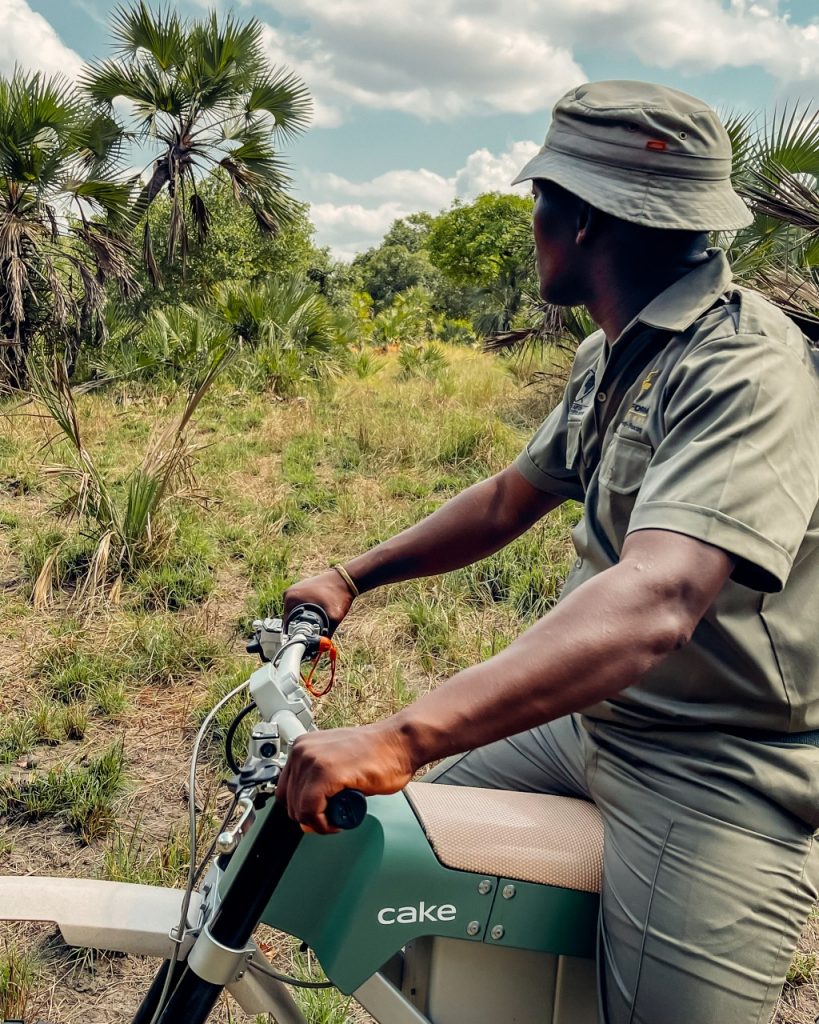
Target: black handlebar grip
<point>347,809</point>
<point>313,614</point>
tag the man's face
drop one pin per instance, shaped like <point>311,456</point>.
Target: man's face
<point>559,258</point>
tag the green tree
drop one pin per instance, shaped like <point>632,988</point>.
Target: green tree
<point>412,232</point>
<point>486,246</point>
<point>390,269</point>
<point>61,211</point>
<point>234,250</point>
<point>204,95</point>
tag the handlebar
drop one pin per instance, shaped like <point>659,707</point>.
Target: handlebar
<point>347,809</point>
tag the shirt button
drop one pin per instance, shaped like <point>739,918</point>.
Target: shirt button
<point>601,396</point>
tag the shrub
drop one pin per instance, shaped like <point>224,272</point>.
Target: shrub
<point>426,360</point>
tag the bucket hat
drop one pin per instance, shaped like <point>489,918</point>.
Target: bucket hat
<point>645,153</point>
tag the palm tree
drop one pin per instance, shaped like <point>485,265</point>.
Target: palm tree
<point>202,93</point>
<point>61,215</point>
<point>776,170</point>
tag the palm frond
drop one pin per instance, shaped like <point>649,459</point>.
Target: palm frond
<point>112,255</point>
<point>99,139</point>
<point>160,33</point>
<point>742,132</point>
<point>200,215</point>
<point>777,192</point>
<point>110,197</point>
<point>228,50</point>
<point>791,140</point>
<point>151,90</point>
<point>50,387</point>
<point>284,97</point>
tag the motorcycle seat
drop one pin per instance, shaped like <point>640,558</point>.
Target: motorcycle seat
<point>529,837</point>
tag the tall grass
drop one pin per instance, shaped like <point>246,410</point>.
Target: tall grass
<point>19,973</point>
<point>123,532</point>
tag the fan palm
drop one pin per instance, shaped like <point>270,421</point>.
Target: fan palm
<point>776,170</point>
<point>203,93</point>
<point>61,204</point>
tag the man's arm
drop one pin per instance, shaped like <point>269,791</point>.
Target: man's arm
<point>475,523</point>
<point>602,638</point>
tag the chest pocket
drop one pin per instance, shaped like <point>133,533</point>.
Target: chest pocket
<point>624,464</point>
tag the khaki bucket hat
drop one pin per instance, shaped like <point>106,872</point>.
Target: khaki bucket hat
<point>644,153</point>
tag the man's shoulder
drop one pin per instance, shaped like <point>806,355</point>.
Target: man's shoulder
<point>745,320</point>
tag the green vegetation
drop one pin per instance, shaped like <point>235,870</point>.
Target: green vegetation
<point>131,857</point>
<point>220,408</point>
<point>204,96</point>
<point>83,796</point>
<point>58,155</point>
<point>802,968</point>
<point>19,972</point>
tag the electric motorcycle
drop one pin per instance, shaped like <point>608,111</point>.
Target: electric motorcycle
<point>437,905</point>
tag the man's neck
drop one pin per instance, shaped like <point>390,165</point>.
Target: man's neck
<point>624,290</point>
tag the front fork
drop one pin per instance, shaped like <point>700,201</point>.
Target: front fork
<point>223,949</point>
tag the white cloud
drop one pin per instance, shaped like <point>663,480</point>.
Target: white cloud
<point>351,216</point>
<point>27,39</point>
<point>486,172</point>
<point>420,57</point>
<point>441,59</point>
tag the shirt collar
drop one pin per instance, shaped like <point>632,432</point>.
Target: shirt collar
<point>676,308</point>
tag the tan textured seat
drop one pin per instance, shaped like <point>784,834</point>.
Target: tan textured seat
<point>552,840</point>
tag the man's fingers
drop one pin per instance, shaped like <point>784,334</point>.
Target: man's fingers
<point>318,823</point>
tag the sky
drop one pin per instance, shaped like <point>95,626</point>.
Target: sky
<point>417,102</point>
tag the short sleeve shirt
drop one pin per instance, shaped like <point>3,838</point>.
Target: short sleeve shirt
<point>716,438</point>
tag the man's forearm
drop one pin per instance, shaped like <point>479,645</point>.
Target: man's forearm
<point>600,639</point>
<point>474,524</point>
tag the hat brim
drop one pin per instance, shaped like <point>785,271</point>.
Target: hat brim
<point>642,197</point>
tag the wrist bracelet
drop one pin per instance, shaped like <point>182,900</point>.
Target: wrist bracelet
<point>348,579</point>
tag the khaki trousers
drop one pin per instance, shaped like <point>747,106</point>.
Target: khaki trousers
<point>710,865</point>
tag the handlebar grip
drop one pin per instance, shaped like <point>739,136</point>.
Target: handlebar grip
<point>347,809</point>
<point>311,614</point>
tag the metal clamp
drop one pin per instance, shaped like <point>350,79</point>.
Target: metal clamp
<point>218,964</point>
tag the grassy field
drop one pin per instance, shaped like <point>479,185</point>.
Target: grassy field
<point>101,692</point>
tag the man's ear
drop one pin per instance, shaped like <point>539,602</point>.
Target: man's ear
<point>587,222</point>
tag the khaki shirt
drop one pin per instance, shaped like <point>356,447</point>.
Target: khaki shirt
<point>717,439</point>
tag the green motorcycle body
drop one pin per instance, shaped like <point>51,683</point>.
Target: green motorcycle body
<point>359,898</point>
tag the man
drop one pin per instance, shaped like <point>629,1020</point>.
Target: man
<point>676,682</point>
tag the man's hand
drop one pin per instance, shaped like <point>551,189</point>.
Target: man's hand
<point>371,758</point>
<point>328,590</point>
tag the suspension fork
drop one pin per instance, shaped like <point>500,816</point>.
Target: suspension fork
<point>240,910</point>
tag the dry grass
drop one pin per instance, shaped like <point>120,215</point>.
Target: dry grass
<point>291,486</point>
